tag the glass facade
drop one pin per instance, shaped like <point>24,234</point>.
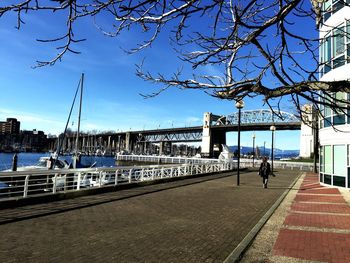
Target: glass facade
<point>334,165</point>
<point>334,53</point>
<point>335,48</point>
<point>332,117</point>
<point>330,7</point>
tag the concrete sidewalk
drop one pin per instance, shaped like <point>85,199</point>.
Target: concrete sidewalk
<point>192,220</point>
<point>311,225</point>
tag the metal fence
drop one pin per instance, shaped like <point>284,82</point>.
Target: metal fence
<point>244,162</point>
<point>302,166</point>
<point>164,159</point>
<point>30,183</point>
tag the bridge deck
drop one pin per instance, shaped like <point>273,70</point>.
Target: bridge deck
<point>193,220</point>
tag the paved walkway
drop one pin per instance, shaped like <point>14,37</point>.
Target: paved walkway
<point>311,225</point>
<point>193,220</point>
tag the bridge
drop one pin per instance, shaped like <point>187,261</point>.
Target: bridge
<point>211,135</point>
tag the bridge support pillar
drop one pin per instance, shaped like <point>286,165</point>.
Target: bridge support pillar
<point>161,148</point>
<point>128,142</point>
<point>206,137</point>
<point>212,140</point>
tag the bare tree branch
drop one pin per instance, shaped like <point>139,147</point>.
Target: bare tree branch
<point>256,44</point>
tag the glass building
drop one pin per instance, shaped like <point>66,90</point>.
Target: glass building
<point>334,57</point>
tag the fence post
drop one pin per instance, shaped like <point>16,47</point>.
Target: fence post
<point>100,175</point>
<point>54,184</point>
<point>26,183</point>
<point>79,179</point>
<point>116,177</point>
<point>130,174</point>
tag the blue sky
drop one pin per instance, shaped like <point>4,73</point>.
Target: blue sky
<point>40,98</point>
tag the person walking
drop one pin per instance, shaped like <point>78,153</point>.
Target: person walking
<point>264,171</point>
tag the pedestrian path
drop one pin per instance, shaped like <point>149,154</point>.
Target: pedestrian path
<point>317,226</point>
<point>197,219</point>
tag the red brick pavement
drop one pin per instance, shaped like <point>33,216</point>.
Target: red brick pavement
<point>319,190</point>
<point>323,243</point>
<point>308,245</point>
<point>319,220</point>
<point>319,198</point>
<point>319,207</point>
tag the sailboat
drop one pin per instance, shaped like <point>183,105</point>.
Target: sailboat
<point>53,161</point>
<point>76,162</point>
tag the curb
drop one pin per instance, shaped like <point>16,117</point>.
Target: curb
<point>238,252</point>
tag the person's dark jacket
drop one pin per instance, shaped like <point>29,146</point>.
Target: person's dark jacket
<point>265,169</point>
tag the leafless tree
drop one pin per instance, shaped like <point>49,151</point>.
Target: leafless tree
<point>265,48</point>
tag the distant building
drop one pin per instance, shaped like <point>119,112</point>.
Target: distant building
<point>10,126</point>
<point>34,140</point>
<point>12,139</point>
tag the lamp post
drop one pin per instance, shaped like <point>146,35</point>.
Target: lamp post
<point>239,106</point>
<point>264,148</point>
<point>253,147</point>
<point>272,129</point>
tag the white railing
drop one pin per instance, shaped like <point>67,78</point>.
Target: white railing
<point>244,163</point>
<point>164,159</point>
<point>25,184</point>
<point>30,183</point>
<point>247,163</point>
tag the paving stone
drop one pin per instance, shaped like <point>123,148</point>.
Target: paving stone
<point>193,220</point>
<point>319,207</point>
<point>318,190</point>
<point>319,198</point>
<point>319,220</point>
<point>307,245</point>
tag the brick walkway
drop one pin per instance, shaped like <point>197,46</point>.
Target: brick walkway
<point>317,227</point>
<point>193,220</point>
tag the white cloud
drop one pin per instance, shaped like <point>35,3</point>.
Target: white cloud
<point>30,121</point>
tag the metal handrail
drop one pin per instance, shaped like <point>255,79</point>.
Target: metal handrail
<point>23,184</point>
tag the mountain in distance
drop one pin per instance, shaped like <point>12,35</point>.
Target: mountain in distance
<point>278,153</point>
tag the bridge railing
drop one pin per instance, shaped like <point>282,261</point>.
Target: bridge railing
<point>27,184</point>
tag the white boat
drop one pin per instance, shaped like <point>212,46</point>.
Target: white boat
<point>226,154</point>
<point>45,163</point>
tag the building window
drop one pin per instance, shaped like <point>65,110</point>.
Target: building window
<point>339,157</point>
<point>321,159</point>
<point>339,116</point>
<point>328,164</point>
<point>335,48</point>
<point>328,179</point>
<point>339,181</point>
<point>330,7</point>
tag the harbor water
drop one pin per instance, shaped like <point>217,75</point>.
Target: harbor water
<point>25,159</point>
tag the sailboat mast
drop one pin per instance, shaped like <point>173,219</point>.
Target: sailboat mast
<point>79,116</point>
